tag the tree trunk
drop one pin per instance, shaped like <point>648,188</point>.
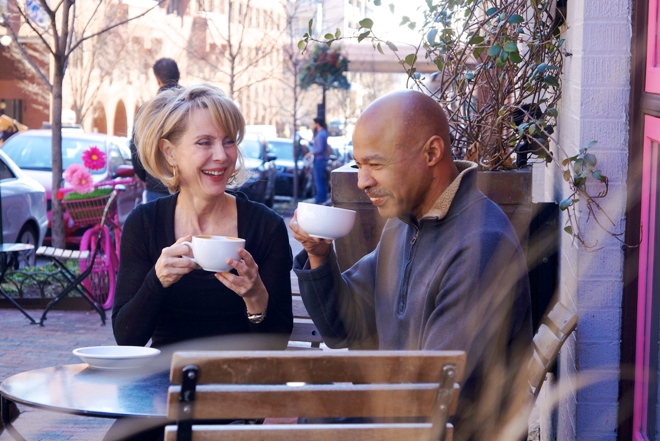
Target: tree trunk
<point>57,220</point>
<point>296,145</point>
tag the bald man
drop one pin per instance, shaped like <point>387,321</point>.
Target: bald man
<point>448,272</point>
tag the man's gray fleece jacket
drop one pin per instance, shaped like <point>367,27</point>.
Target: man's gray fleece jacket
<point>454,280</point>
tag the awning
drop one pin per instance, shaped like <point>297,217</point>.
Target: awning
<point>6,122</point>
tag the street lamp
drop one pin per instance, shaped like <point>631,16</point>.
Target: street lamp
<point>5,40</point>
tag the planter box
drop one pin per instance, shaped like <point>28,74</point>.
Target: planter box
<point>511,190</point>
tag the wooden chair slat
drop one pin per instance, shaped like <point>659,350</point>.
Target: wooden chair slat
<point>562,318</point>
<point>316,432</point>
<point>298,307</point>
<point>305,330</point>
<point>295,288</point>
<point>304,366</point>
<point>546,342</point>
<point>306,402</point>
<point>557,325</point>
<point>48,252</point>
<point>536,371</point>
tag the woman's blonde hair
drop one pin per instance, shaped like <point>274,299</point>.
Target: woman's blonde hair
<point>166,116</point>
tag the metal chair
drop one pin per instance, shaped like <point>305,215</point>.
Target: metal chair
<point>59,257</point>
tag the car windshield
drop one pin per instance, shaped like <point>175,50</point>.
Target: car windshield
<point>34,152</point>
<point>251,148</point>
<point>283,149</point>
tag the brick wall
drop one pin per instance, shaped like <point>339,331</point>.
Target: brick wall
<point>595,106</point>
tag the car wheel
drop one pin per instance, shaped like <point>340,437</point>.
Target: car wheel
<point>28,235</point>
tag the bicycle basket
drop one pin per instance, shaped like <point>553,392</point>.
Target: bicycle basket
<point>85,212</point>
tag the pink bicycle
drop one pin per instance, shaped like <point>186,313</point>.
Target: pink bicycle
<point>102,240</point>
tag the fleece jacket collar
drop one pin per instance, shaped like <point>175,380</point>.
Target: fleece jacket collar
<point>441,207</point>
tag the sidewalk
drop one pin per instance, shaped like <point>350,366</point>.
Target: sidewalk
<point>24,347</point>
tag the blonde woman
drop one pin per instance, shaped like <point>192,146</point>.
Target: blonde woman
<point>190,139</point>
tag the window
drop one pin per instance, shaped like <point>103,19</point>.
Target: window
<point>5,171</point>
<point>115,159</point>
<point>646,364</point>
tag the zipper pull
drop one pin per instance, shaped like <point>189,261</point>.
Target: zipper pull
<point>414,239</point>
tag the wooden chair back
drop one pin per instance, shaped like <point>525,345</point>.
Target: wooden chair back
<point>555,328</point>
<point>304,330</point>
<point>210,385</point>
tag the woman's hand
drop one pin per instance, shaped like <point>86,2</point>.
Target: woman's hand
<point>247,283</point>
<point>317,249</point>
<point>171,266</point>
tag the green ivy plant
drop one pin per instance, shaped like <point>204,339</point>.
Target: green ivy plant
<point>499,65</point>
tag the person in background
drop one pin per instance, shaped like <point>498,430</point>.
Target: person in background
<point>321,155</point>
<point>190,140</point>
<point>8,133</point>
<point>167,77</point>
<point>447,274</point>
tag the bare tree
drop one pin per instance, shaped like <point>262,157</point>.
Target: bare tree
<point>62,29</point>
<point>91,67</point>
<point>294,62</point>
<point>28,82</point>
<point>244,47</point>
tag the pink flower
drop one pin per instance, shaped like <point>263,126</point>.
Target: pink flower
<point>93,158</point>
<point>79,178</point>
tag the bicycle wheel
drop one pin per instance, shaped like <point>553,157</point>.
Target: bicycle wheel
<point>101,281</point>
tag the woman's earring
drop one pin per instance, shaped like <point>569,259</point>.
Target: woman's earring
<point>174,172</point>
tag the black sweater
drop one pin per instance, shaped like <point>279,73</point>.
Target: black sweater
<point>198,305</point>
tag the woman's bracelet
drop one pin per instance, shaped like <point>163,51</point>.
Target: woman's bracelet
<point>256,318</point>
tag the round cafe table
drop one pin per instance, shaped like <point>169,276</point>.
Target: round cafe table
<point>78,389</point>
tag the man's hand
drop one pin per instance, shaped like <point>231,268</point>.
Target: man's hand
<point>317,249</point>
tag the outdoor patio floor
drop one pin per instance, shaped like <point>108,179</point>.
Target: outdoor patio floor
<point>24,347</point>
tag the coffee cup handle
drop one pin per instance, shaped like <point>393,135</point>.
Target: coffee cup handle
<point>189,245</point>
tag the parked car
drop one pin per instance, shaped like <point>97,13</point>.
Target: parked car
<point>262,130</point>
<point>339,146</point>
<point>23,201</point>
<point>31,151</point>
<point>260,161</point>
<point>283,148</point>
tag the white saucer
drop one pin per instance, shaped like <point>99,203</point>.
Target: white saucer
<point>115,357</point>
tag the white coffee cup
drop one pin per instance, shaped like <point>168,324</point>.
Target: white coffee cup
<point>325,222</point>
<point>213,252</point>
